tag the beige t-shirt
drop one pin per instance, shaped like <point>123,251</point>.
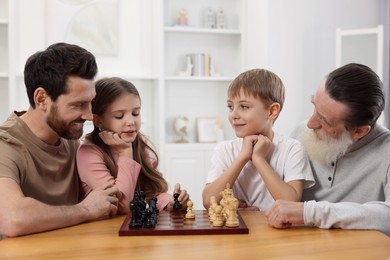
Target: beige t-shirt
<point>44,172</point>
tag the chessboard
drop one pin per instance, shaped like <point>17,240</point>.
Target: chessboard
<point>175,223</point>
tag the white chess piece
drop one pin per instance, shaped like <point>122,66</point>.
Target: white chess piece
<point>232,206</point>
<point>218,220</point>
<point>190,213</point>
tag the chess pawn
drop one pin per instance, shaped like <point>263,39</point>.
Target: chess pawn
<point>189,213</point>
<point>232,220</point>
<point>218,220</point>
<point>176,204</point>
<point>223,202</point>
<point>213,203</point>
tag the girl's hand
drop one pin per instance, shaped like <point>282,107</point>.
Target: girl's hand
<point>183,198</point>
<point>115,142</point>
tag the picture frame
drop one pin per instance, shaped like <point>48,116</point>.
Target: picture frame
<point>207,129</point>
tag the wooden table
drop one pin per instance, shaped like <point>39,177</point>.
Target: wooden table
<point>100,240</point>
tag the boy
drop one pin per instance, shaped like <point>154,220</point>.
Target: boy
<point>260,165</point>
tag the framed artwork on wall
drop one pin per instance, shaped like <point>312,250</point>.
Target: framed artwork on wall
<point>207,129</point>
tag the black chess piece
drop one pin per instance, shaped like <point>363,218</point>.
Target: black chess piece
<point>137,208</point>
<point>153,204</point>
<point>177,204</point>
<point>151,214</point>
<point>150,218</point>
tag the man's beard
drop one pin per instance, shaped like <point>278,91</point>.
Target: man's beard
<point>323,148</point>
<point>62,128</point>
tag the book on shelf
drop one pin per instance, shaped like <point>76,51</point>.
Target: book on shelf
<point>200,64</point>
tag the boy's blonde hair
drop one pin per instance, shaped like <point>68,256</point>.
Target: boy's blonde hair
<point>259,83</point>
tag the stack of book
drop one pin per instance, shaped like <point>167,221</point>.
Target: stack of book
<point>201,64</point>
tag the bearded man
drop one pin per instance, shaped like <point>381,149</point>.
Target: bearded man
<point>349,155</point>
<point>39,185</point>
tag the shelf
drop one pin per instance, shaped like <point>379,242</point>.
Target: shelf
<point>128,76</point>
<point>181,78</point>
<point>4,75</point>
<point>3,22</point>
<point>189,146</point>
<point>184,29</point>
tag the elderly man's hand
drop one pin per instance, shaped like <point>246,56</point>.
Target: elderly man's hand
<point>283,214</point>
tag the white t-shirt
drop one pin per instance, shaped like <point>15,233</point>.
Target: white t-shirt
<point>288,160</point>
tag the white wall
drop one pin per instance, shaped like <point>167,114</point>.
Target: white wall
<point>299,44</point>
<point>293,38</point>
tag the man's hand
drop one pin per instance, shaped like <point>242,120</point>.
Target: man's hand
<point>101,202</point>
<point>284,214</point>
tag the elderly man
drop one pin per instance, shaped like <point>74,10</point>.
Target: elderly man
<point>348,153</point>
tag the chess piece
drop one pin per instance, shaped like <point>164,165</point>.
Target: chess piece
<point>190,213</point>
<point>153,204</point>
<point>177,204</point>
<point>218,219</point>
<point>231,212</point>
<point>150,218</point>
<point>213,205</point>
<point>213,202</point>
<point>137,208</point>
<point>151,213</point>
<point>225,194</point>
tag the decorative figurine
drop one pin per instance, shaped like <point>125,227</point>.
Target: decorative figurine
<point>209,18</point>
<point>220,20</point>
<point>189,66</point>
<point>182,18</point>
<point>180,125</point>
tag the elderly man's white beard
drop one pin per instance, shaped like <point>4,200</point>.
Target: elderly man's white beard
<point>323,148</point>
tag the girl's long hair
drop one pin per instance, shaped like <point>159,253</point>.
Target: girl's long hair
<point>150,179</point>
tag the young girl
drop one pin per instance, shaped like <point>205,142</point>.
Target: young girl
<point>116,152</point>
<point>261,165</point>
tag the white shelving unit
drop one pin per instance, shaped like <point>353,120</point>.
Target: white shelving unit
<point>21,34</point>
<point>195,96</point>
